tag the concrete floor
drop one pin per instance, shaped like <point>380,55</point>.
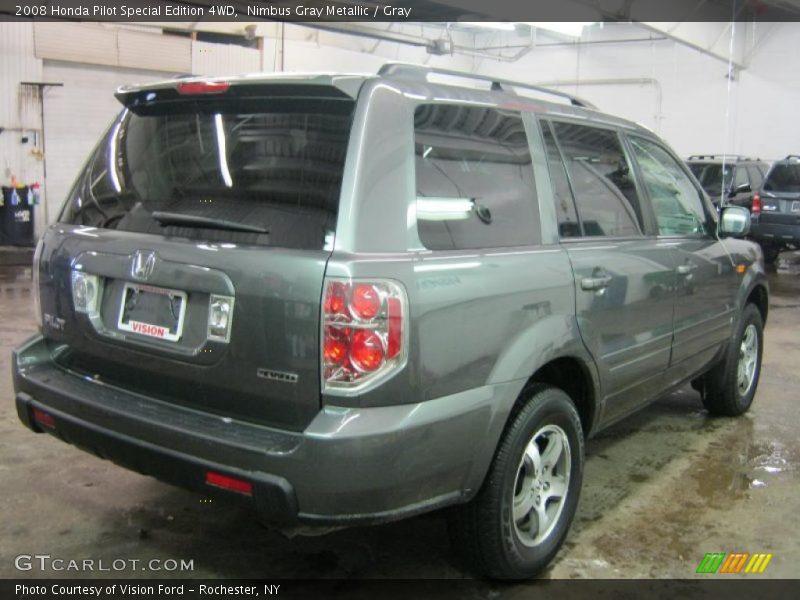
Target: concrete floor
<point>661,489</point>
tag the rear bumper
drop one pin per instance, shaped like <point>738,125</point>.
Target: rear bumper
<point>777,233</point>
<point>350,466</point>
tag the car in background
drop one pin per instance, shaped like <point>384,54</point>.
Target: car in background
<point>728,179</point>
<point>776,209</point>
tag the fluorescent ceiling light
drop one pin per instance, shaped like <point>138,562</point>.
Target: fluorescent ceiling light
<point>496,25</point>
<point>572,29</point>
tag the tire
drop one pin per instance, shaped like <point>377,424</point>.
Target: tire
<point>495,544</point>
<point>727,390</point>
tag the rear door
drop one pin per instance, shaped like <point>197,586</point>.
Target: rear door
<point>706,278</point>
<point>624,279</point>
<point>189,257</point>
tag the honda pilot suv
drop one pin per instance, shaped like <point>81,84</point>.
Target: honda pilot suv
<point>776,209</point>
<point>343,299</point>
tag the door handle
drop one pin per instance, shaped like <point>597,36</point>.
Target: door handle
<point>595,283</point>
<point>686,268</point>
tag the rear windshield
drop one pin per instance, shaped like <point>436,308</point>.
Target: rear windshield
<point>713,177</point>
<point>783,178</point>
<point>264,171</point>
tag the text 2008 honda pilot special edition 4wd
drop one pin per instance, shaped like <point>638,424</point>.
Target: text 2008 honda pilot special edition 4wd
<point>351,299</point>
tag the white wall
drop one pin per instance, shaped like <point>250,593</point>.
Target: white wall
<point>19,107</point>
<point>700,109</point>
<point>769,95</point>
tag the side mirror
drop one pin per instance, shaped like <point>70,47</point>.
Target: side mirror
<point>734,221</point>
<point>745,187</point>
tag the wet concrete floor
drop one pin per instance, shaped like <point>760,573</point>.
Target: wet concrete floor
<point>661,489</point>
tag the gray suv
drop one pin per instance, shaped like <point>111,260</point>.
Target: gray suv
<point>728,179</point>
<point>776,213</point>
<point>343,299</point>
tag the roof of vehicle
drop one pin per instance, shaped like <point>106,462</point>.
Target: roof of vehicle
<point>501,92</point>
<point>728,158</point>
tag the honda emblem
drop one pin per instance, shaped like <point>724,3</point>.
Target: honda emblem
<point>143,264</point>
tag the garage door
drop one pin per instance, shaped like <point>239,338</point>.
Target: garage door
<point>75,116</point>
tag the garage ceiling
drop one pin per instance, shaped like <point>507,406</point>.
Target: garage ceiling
<point>565,10</point>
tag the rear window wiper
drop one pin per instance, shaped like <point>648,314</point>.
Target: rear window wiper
<point>182,220</point>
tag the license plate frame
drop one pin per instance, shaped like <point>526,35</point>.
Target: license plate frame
<point>152,330</point>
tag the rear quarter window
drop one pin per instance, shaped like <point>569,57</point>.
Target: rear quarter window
<point>474,178</point>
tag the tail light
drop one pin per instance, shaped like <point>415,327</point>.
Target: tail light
<point>44,419</point>
<point>756,208</point>
<point>364,333</point>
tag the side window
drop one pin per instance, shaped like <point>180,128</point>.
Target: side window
<point>475,186</point>
<point>756,177</point>
<point>740,178</point>
<point>568,225</point>
<point>605,192</point>
<point>676,202</point>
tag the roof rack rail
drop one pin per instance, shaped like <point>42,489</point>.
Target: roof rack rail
<point>793,156</point>
<point>419,72</point>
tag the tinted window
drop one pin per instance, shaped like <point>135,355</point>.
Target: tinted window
<point>740,177</point>
<point>605,193</point>
<point>784,177</point>
<point>713,176</point>
<point>568,225</point>
<point>676,202</point>
<point>474,176</point>
<point>265,171</point>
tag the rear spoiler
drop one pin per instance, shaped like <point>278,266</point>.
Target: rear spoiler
<point>331,87</point>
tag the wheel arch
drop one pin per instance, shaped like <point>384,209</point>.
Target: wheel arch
<point>573,376</point>
<point>759,296</point>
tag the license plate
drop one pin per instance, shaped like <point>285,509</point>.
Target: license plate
<point>796,206</point>
<point>152,311</point>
